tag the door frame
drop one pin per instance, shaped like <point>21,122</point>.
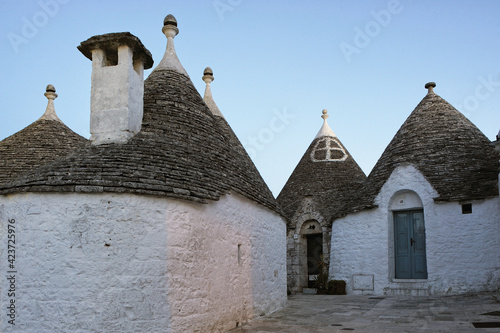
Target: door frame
<point>413,274</point>
<point>309,227</point>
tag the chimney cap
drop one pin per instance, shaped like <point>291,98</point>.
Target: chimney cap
<point>110,44</point>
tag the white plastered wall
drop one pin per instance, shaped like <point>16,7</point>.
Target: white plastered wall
<point>216,286</point>
<point>462,249</point>
<point>128,263</point>
<point>116,101</point>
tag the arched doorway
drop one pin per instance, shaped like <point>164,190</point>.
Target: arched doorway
<point>312,252</point>
<point>410,260</point>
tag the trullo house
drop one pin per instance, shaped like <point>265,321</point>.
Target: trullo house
<point>424,222</point>
<point>159,223</point>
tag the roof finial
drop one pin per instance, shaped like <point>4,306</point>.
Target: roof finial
<point>325,129</point>
<point>430,86</point>
<point>208,77</point>
<point>325,114</point>
<point>170,60</point>
<point>50,111</point>
<point>170,26</point>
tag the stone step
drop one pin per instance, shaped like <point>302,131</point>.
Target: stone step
<point>309,291</point>
<point>407,291</point>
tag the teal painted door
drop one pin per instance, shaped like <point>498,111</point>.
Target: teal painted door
<point>409,245</point>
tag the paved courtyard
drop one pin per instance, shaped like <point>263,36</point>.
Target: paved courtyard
<point>322,313</point>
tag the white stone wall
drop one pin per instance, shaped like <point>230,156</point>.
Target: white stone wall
<point>462,249</point>
<point>211,287</point>
<point>126,263</point>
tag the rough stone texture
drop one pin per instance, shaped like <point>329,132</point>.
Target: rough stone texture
<point>462,249</point>
<point>331,184</point>
<point>226,267</point>
<point>451,152</point>
<point>317,190</point>
<point>365,314</point>
<point>128,263</point>
<point>87,263</point>
<point>246,177</point>
<point>42,142</point>
<point>181,152</point>
<point>297,270</point>
<point>116,97</point>
<point>110,44</point>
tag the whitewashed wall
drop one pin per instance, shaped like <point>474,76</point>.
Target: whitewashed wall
<point>126,263</point>
<point>462,249</point>
<point>209,286</point>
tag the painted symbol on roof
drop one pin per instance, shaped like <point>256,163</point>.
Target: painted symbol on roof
<point>328,150</point>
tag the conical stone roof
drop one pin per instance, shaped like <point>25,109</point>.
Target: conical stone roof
<point>327,173</point>
<point>181,152</point>
<point>450,151</point>
<point>245,173</point>
<point>42,142</point>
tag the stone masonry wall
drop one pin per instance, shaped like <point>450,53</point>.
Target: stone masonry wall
<point>462,249</point>
<point>226,267</point>
<point>128,263</point>
<point>86,263</point>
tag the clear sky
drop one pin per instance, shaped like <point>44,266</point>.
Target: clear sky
<point>277,64</point>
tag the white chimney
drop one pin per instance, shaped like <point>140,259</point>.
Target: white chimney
<point>116,101</point>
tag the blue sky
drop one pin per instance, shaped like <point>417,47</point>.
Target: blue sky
<point>277,65</point>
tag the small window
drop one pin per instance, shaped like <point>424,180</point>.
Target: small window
<point>467,208</point>
<point>239,254</point>
<point>111,58</point>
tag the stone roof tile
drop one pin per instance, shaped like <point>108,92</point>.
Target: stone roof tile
<point>327,173</point>
<point>449,150</point>
<point>182,151</point>
<point>42,142</point>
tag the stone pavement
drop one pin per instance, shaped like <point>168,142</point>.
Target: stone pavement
<point>324,313</point>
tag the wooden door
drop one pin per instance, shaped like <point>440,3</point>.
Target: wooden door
<point>409,245</point>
